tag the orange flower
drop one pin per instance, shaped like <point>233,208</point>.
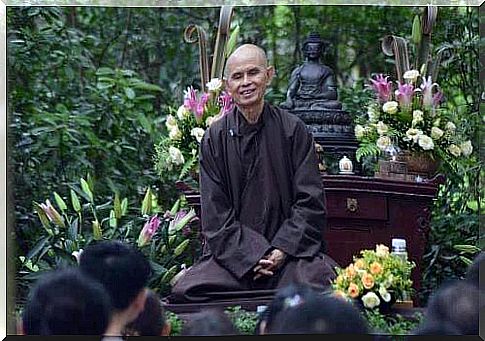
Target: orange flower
<point>359,264</point>
<point>367,280</point>
<point>375,268</point>
<point>353,290</point>
<point>350,271</point>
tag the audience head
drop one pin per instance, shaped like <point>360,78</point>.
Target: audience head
<point>151,321</point>
<point>65,302</point>
<point>320,315</point>
<point>209,322</point>
<point>123,270</point>
<point>431,327</point>
<point>473,273</point>
<point>458,303</point>
<point>281,301</point>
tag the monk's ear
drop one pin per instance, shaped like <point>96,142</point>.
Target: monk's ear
<point>269,74</point>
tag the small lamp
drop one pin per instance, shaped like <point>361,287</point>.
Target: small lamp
<point>345,165</point>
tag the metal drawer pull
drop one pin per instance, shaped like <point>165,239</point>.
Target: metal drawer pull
<point>352,205</point>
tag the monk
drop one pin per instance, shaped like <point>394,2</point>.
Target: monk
<point>262,200</point>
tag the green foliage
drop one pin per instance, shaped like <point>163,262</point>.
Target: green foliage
<point>391,324</point>
<point>244,321</point>
<point>175,322</point>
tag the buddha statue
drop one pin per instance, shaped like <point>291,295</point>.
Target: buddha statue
<point>312,85</point>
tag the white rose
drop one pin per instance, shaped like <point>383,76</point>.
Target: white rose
<point>176,155</point>
<point>382,128</point>
<point>390,107</point>
<point>370,300</point>
<point>198,133</point>
<point>174,133</point>
<point>436,133</point>
<point>383,142</point>
<point>386,296</point>
<point>411,75</point>
<point>451,127</point>
<point>417,117</point>
<point>382,250</point>
<point>182,113</point>
<point>171,122</point>
<point>388,281</point>
<point>413,134</point>
<point>373,115</point>
<point>215,84</point>
<point>425,142</point>
<point>466,148</point>
<point>359,131</point>
<point>454,150</point>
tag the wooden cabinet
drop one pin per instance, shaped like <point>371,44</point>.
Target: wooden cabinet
<point>365,211</point>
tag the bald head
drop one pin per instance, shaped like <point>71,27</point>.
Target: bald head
<point>246,51</point>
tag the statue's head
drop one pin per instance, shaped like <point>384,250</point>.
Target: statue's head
<point>313,46</point>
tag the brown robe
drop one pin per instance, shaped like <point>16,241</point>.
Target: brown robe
<point>260,189</point>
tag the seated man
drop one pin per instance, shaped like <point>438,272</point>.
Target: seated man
<point>262,200</point>
<point>124,272</point>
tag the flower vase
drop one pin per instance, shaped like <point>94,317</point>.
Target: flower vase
<point>419,163</point>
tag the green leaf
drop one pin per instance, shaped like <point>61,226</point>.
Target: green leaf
<point>181,247</point>
<point>87,190</point>
<point>112,219</point>
<point>37,248</point>
<point>146,206</point>
<point>146,86</point>
<point>75,202</point>
<point>60,202</point>
<point>117,206</point>
<point>130,93</point>
<point>73,228</point>
<point>104,71</point>
<point>231,43</point>
<point>124,206</point>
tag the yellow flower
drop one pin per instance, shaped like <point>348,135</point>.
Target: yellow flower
<point>375,268</point>
<point>359,264</point>
<point>353,290</point>
<point>367,280</point>
<point>350,271</point>
<point>382,250</point>
<point>339,280</point>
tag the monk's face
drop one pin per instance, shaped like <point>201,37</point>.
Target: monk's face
<point>247,77</point>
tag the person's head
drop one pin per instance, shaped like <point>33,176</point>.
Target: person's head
<point>124,272</point>
<point>313,46</point>
<point>247,75</point>
<point>473,273</point>
<point>151,321</point>
<point>456,302</point>
<point>284,298</point>
<point>320,315</point>
<point>65,302</point>
<point>209,322</point>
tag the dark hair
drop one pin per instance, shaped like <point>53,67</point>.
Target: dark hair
<point>122,269</point>
<point>209,322</point>
<point>456,302</point>
<point>151,320</point>
<point>472,275</point>
<point>65,302</point>
<point>320,315</point>
<point>279,303</point>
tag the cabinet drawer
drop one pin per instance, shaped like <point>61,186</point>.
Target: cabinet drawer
<point>354,205</point>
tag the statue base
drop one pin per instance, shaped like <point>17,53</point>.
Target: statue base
<point>333,129</point>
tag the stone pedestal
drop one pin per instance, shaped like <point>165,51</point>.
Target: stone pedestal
<point>334,130</point>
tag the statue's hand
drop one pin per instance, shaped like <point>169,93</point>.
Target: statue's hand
<point>268,264</point>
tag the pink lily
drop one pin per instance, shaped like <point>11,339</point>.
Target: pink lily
<point>427,90</point>
<point>404,94</point>
<point>437,98</point>
<point>382,87</point>
<point>149,229</point>
<point>199,112</point>
<point>226,103</point>
<point>190,99</point>
<point>181,219</point>
<point>52,213</point>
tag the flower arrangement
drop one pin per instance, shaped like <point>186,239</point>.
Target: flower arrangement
<point>374,279</point>
<point>177,152</point>
<point>409,117</point>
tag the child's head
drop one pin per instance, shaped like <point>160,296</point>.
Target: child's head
<point>65,302</point>
<point>151,321</point>
<point>209,322</point>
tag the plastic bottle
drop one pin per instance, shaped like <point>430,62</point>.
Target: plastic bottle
<point>399,249</point>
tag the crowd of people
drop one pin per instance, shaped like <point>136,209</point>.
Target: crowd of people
<point>107,295</point>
